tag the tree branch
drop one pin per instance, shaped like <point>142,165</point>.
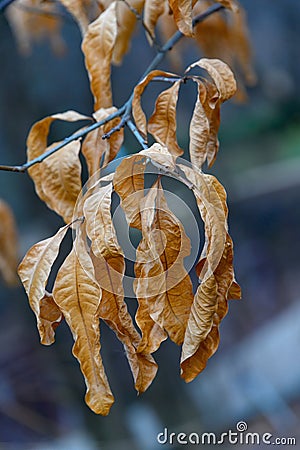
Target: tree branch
<point>124,111</point>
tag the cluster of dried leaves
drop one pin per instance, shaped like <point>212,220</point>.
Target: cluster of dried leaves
<point>88,286</point>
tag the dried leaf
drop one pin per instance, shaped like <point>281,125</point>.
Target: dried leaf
<point>8,245</point>
<point>126,19</point>
<point>37,145</point>
<point>50,317</point>
<point>162,124</point>
<point>78,296</point>
<point>216,271</point>
<point>137,111</point>
<point>97,46</point>
<point>221,75</point>
<point>34,272</point>
<point>34,20</point>
<point>204,126</point>
<point>61,181</point>
<point>182,11</point>
<point>78,10</point>
<point>129,185</point>
<point>230,4</point>
<point>109,266</point>
<point>94,147</point>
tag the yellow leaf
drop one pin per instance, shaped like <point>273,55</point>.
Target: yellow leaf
<point>137,111</point>
<point>97,46</point>
<point>34,272</point>
<point>50,317</point>
<point>78,296</point>
<point>221,75</point>
<point>8,245</point>
<point>109,266</point>
<point>162,124</point>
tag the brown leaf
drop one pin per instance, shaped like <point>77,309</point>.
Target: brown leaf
<point>137,111</point>
<point>162,124</point>
<point>78,296</point>
<point>50,317</point>
<point>182,11</point>
<point>204,126</point>
<point>126,19</point>
<point>78,10</point>
<point>221,75</point>
<point>129,185</point>
<point>162,280</point>
<point>61,180</point>
<point>210,302</point>
<point>94,147</point>
<point>8,245</point>
<point>152,11</point>
<point>37,145</point>
<point>109,266</point>
<point>34,272</point>
<point>33,21</point>
<point>230,4</point>
<point>98,46</point>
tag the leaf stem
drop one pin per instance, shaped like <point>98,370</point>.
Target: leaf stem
<point>124,111</point>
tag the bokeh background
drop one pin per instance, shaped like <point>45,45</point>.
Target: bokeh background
<point>255,375</point>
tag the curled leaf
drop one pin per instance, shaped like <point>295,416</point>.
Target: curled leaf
<point>8,245</point>
<point>78,296</point>
<point>34,272</point>
<point>221,75</point>
<point>50,317</point>
<point>152,11</point>
<point>109,266</point>
<point>182,11</point>
<point>162,124</point>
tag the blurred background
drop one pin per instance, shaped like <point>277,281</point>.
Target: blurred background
<point>255,374</point>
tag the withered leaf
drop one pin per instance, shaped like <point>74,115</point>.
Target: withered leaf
<point>182,11</point>
<point>153,9</point>
<point>8,245</point>
<point>34,272</point>
<point>221,75</point>
<point>78,296</point>
<point>97,46</point>
<point>162,280</point>
<point>37,145</point>
<point>78,10</point>
<point>162,124</point>
<point>94,147</point>
<point>50,317</point>
<point>61,180</point>
<point>126,19</point>
<point>109,267</point>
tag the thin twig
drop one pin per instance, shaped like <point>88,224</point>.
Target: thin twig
<point>124,111</point>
